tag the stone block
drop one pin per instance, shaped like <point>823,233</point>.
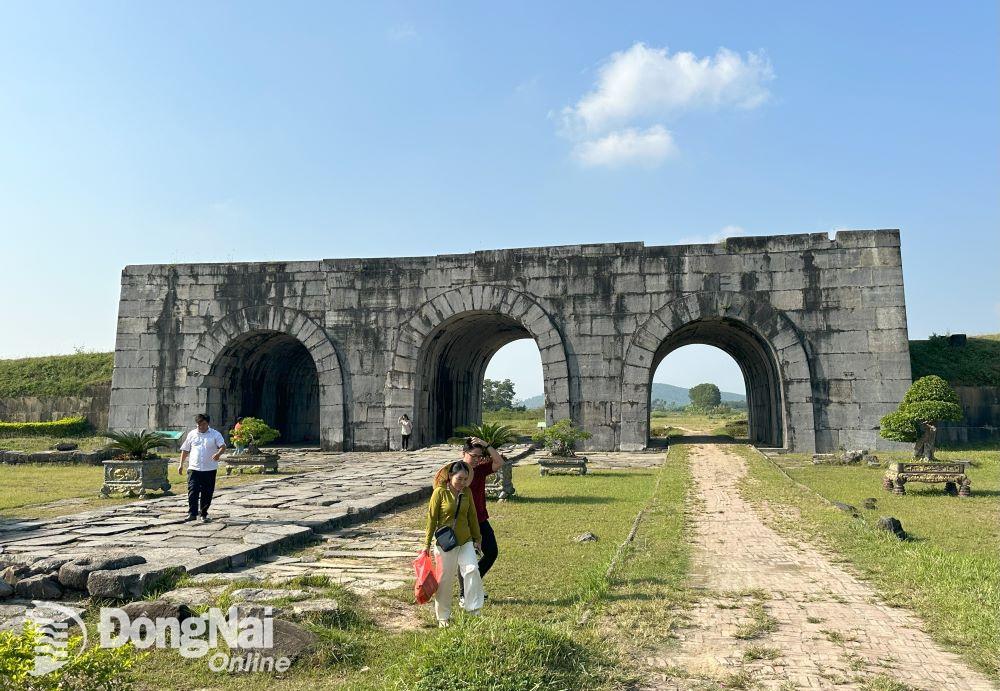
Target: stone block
<point>129,583</point>
<point>74,574</point>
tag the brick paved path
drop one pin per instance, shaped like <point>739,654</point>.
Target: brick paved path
<point>832,630</point>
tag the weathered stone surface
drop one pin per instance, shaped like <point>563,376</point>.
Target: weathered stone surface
<point>892,525</point>
<point>829,313</point>
<point>6,590</point>
<point>290,640</point>
<point>129,583</point>
<point>586,537</point>
<point>193,596</point>
<point>319,606</point>
<point>869,503</point>
<point>846,508</point>
<point>39,587</point>
<point>74,574</point>
<point>157,609</point>
<point>266,594</point>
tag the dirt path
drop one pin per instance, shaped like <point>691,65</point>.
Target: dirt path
<point>762,596</point>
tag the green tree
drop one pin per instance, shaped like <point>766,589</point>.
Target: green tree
<point>929,400</point>
<point>705,396</point>
<point>498,394</point>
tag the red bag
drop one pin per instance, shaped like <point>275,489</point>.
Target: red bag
<point>428,578</point>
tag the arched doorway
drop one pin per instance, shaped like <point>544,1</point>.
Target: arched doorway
<point>443,350</point>
<point>765,343</point>
<point>753,357</point>
<point>271,376</point>
<point>451,369</point>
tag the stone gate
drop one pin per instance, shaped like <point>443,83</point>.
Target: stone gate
<point>333,351</point>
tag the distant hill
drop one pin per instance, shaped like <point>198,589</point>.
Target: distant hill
<point>677,395</point>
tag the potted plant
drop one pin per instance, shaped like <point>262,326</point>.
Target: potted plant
<point>253,433</point>
<point>559,440</point>
<point>136,468</point>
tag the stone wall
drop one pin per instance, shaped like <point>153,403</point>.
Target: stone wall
<point>93,404</point>
<point>818,325</point>
<point>981,424</point>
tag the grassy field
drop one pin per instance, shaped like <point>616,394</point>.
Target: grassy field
<point>55,489</point>
<point>560,615</point>
<point>948,572</point>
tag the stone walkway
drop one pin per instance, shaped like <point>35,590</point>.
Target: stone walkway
<point>828,629</point>
<point>250,521</point>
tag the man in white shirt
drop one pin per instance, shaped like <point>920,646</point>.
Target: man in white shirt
<point>201,450</point>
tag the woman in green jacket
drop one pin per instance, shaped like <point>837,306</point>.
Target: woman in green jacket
<point>451,505</point>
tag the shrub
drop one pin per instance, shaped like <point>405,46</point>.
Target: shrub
<point>929,399</point>
<point>253,432</point>
<point>67,427</point>
<point>561,437</point>
<point>739,429</point>
<point>137,445</point>
<point>92,669</point>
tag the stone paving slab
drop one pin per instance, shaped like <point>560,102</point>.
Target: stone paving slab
<point>831,629</point>
<point>249,521</point>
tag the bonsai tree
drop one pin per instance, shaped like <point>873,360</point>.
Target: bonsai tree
<point>253,433</point>
<point>561,437</point>
<point>136,445</point>
<point>493,433</point>
<point>929,400</point>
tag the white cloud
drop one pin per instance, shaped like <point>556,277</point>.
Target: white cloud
<point>727,232</point>
<point>646,148</point>
<point>649,83</point>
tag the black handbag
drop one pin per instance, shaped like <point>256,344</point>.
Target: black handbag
<point>444,536</point>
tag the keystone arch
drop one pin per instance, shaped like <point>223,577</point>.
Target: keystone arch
<point>770,351</point>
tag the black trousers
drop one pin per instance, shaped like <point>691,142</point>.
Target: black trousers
<point>201,487</point>
<point>406,442</point>
<point>490,552</point>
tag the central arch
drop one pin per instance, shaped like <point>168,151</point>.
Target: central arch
<point>768,348</point>
<point>443,350</point>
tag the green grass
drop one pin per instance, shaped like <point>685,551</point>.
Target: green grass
<point>524,423</point>
<point>28,490</point>
<point>977,363</point>
<point>557,617</point>
<point>34,444</point>
<point>948,572</point>
<point>55,375</point>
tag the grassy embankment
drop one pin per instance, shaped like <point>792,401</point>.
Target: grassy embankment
<point>557,616</point>
<point>948,572</point>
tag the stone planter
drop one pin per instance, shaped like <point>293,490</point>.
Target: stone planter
<point>563,465</point>
<point>251,463</point>
<point>134,478</point>
<point>951,474</point>
<point>501,483</point>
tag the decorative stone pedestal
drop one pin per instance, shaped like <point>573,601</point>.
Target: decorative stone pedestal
<point>951,474</point>
<point>134,478</point>
<point>252,463</point>
<point>501,483</point>
<point>563,465</point>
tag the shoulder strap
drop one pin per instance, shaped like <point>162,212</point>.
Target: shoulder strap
<point>458,505</point>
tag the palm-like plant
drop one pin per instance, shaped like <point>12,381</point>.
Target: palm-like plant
<point>493,433</point>
<point>136,445</point>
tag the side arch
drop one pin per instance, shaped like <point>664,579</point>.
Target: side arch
<point>406,381</point>
<point>204,361</point>
<point>781,348</point>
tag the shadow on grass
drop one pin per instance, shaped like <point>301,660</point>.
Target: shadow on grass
<point>705,439</point>
<point>562,499</point>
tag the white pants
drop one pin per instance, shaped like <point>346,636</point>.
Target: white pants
<point>462,560</point>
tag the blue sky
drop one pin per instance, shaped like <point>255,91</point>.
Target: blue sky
<point>135,133</point>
